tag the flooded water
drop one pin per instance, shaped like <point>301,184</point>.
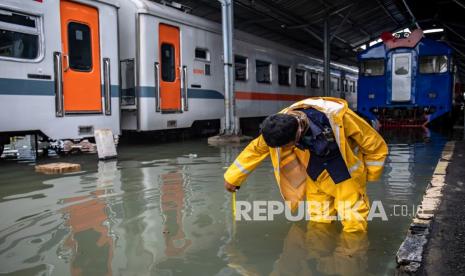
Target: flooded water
<point>162,210</point>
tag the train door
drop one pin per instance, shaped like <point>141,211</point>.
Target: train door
<point>401,77</point>
<point>81,53</point>
<point>170,80</point>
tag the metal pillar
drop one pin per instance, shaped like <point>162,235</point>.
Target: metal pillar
<point>229,127</point>
<point>327,58</point>
<point>36,145</point>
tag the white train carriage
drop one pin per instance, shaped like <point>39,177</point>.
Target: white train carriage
<point>59,72</point>
<point>172,70</point>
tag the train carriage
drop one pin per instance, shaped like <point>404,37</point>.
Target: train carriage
<point>69,67</point>
<point>406,81</point>
<point>172,70</point>
<point>58,68</point>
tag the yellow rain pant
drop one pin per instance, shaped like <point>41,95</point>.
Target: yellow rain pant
<point>348,200</point>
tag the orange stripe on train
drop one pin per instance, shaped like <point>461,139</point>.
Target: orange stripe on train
<point>242,95</point>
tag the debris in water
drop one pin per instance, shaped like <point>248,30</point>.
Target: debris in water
<point>105,141</point>
<point>56,168</point>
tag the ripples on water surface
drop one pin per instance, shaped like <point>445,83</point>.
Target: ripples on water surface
<point>160,211</point>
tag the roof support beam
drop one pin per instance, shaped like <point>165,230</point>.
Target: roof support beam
<point>454,32</point>
<point>457,43</point>
<point>294,18</point>
<point>327,57</point>
<point>325,4</point>
<point>245,23</point>
<point>457,50</point>
<point>381,4</point>
<point>343,22</point>
<point>459,3</point>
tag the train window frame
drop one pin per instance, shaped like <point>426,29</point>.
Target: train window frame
<point>127,84</point>
<point>68,26</point>
<point>173,63</point>
<point>337,82</point>
<point>448,64</point>
<point>270,71</point>
<point>288,69</point>
<point>345,85</point>
<point>207,69</point>
<point>362,70</point>
<point>315,84</point>
<point>305,84</point>
<point>246,68</point>
<point>207,54</point>
<point>37,30</point>
<point>399,60</point>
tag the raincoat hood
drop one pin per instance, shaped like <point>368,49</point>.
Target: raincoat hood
<point>332,107</point>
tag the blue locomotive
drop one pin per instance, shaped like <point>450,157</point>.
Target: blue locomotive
<point>405,81</point>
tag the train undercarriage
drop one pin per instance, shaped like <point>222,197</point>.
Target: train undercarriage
<point>407,116</point>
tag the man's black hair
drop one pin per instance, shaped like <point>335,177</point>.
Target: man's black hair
<point>279,129</point>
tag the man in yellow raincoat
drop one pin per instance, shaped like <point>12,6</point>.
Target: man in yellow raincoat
<point>322,152</point>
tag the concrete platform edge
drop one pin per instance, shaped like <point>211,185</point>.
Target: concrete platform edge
<point>409,257</point>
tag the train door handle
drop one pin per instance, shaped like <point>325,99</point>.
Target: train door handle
<point>58,74</point>
<point>180,72</point>
<point>66,58</point>
<point>156,69</point>
<point>107,86</point>
<point>184,79</point>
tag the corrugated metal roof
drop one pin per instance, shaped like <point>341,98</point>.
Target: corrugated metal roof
<point>447,15</point>
<point>299,23</point>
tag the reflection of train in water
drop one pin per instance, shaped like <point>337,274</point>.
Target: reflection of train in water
<point>59,73</point>
<point>405,81</point>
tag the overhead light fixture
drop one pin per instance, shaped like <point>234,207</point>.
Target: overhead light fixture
<point>433,31</point>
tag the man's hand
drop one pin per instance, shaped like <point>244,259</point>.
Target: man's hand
<point>230,188</point>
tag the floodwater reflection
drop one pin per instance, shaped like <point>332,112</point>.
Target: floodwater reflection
<point>162,210</point>
<point>89,244</point>
<point>323,248</point>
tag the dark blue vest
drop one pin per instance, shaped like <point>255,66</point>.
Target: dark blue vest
<point>324,151</point>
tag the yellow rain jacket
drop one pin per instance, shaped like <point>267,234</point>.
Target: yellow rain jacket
<point>361,147</point>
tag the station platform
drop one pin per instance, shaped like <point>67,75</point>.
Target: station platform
<point>445,251</point>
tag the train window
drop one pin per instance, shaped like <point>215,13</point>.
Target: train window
<point>284,75</point>
<point>433,64</point>
<point>128,87</point>
<point>19,35</point>
<point>300,78</point>
<point>207,69</point>
<point>345,87</point>
<point>314,80</point>
<point>263,71</point>
<point>401,65</point>
<point>80,47</point>
<point>168,70</point>
<point>202,54</point>
<point>335,86</point>
<point>240,68</point>
<point>372,67</point>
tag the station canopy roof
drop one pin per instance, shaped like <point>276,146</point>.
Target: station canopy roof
<point>448,15</point>
<point>353,23</point>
